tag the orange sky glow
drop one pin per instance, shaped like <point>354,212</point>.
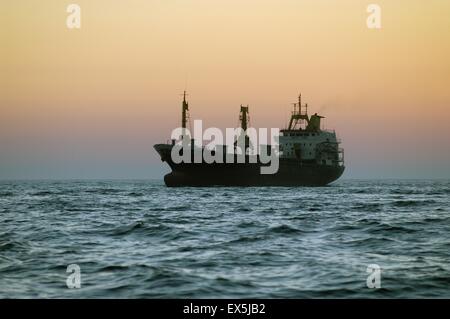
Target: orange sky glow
<point>91,102</point>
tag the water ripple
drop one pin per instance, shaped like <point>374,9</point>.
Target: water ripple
<point>139,239</point>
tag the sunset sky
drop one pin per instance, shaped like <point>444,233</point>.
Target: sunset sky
<point>91,102</point>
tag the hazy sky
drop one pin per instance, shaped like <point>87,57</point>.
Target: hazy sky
<point>91,102</point>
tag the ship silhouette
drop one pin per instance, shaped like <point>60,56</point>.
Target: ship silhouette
<point>308,156</point>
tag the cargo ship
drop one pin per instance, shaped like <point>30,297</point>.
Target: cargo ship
<point>307,156</point>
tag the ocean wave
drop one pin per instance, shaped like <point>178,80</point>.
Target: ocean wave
<point>315,209</point>
<point>412,203</point>
<point>224,242</point>
<point>248,224</point>
<point>127,229</point>
<point>6,194</point>
<point>384,228</point>
<point>284,229</point>
<point>443,220</point>
<point>370,207</point>
<point>247,239</point>
<point>242,209</point>
<point>9,245</point>
<point>136,194</point>
<point>6,245</point>
<point>142,227</point>
<point>206,195</point>
<point>45,193</point>
<point>179,208</point>
<point>157,209</point>
<point>103,191</point>
<point>113,268</point>
<point>369,241</point>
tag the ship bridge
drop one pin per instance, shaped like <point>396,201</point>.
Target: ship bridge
<point>305,141</point>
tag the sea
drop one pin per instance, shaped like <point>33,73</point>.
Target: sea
<point>140,239</point>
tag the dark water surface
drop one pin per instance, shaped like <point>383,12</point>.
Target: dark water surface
<point>139,239</point>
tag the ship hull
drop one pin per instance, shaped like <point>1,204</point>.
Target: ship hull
<point>290,173</point>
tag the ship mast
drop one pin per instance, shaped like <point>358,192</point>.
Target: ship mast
<point>244,117</point>
<point>184,111</point>
<point>299,104</point>
<point>298,118</point>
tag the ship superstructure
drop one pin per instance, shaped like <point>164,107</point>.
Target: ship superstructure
<point>305,141</point>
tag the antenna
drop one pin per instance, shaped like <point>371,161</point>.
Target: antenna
<point>184,110</point>
<point>300,103</point>
<point>295,107</point>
